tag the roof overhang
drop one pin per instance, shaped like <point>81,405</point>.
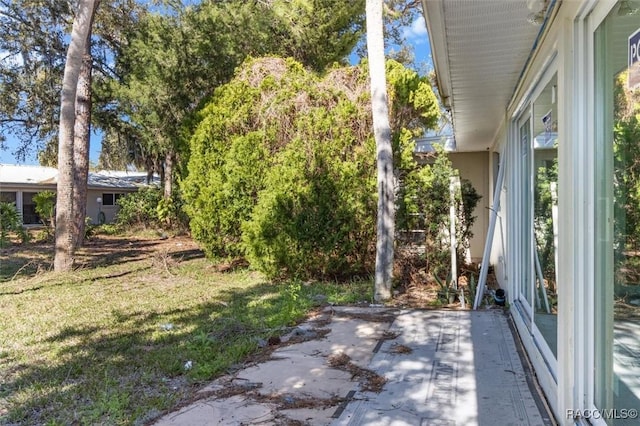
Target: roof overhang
<point>480,49</point>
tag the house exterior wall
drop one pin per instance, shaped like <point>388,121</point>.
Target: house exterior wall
<point>93,207</point>
<point>474,166</point>
<point>96,205</point>
<point>580,368</point>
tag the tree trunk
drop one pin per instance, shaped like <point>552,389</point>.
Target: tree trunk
<point>81,137</point>
<point>382,134</point>
<point>64,244</point>
<point>168,175</point>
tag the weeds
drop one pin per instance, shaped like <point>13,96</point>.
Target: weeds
<point>109,344</point>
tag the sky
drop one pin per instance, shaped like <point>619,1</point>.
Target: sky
<point>415,35</point>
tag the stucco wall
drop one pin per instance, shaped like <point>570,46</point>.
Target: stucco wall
<point>474,166</point>
<point>93,208</point>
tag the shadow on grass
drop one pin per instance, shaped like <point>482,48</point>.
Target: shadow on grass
<point>100,253</point>
<point>26,260</point>
<point>131,370</point>
<point>29,260</point>
<point>186,255</point>
<point>41,286</point>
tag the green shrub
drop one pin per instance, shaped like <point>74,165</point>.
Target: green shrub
<point>170,213</point>
<point>45,206</point>
<point>282,166</point>
<point>314,219</point>
<point>221,198</point>
<point>148,208</point>
<point>424,203</point>
<point>10,221</point>
<point>139,208</point>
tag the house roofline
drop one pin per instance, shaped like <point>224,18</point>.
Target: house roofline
<point>436,30</point>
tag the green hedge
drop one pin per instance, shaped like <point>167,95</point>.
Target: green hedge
<point>282,166</point>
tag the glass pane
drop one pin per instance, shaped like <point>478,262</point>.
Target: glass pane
<point>107,199</point>
<point>29,215</point>
<point>617,339</point>
<point>545,211</point>
<point>525,147</point>
<point>8,197</point>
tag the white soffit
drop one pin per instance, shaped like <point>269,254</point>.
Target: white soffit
<point>479,48</point>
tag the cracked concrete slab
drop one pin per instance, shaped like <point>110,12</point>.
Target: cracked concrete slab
<point>236,410</point>
<point>463,369</point>
<point>455,368</point>
<point>296,375</point>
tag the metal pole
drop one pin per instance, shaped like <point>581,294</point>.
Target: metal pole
<point>453,185</point>
<point>482,283</point>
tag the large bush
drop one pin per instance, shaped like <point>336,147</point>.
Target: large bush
<point>316,216</point>
<point>282,166</point>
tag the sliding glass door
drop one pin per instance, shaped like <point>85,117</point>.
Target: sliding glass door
<point>545,213</point>
<point>617,270</point>
<point>537,133</point>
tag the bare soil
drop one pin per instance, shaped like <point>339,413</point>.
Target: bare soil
<point>30,259</point>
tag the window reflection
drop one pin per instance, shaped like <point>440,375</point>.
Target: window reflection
<point>626,244</point>
<point>545,212</point>
<point>617,343</point>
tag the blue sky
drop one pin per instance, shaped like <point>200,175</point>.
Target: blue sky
<point>415,35</point>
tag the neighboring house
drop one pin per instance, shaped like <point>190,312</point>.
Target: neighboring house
<point>547,94</point>
<point>19,183</point>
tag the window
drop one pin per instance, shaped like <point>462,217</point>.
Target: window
<point>8,197</point>
<point>537,214</point>
<point>29,214</point>
<point>617,292</point>
<point>111,199</point>
<point>107,199</point>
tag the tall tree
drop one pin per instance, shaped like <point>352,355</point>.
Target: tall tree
<point>33,47</point>
<point>64,239</point>
<point>32,55</point>
<point>174,61</point>
<point>384,154</point>
<point>81,140</point>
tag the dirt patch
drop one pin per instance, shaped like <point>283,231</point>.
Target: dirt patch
<point>232,265</point>
<point>104,250</point>
<point>31,259</point>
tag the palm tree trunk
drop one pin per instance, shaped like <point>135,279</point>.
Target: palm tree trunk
<point>382,134</point>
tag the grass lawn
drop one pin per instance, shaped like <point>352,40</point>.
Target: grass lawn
<point>135,331</point>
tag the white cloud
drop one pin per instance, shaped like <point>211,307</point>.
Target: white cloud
<point>416,33</point>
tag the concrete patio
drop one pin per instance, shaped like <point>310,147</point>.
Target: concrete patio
<point>431,367</point>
